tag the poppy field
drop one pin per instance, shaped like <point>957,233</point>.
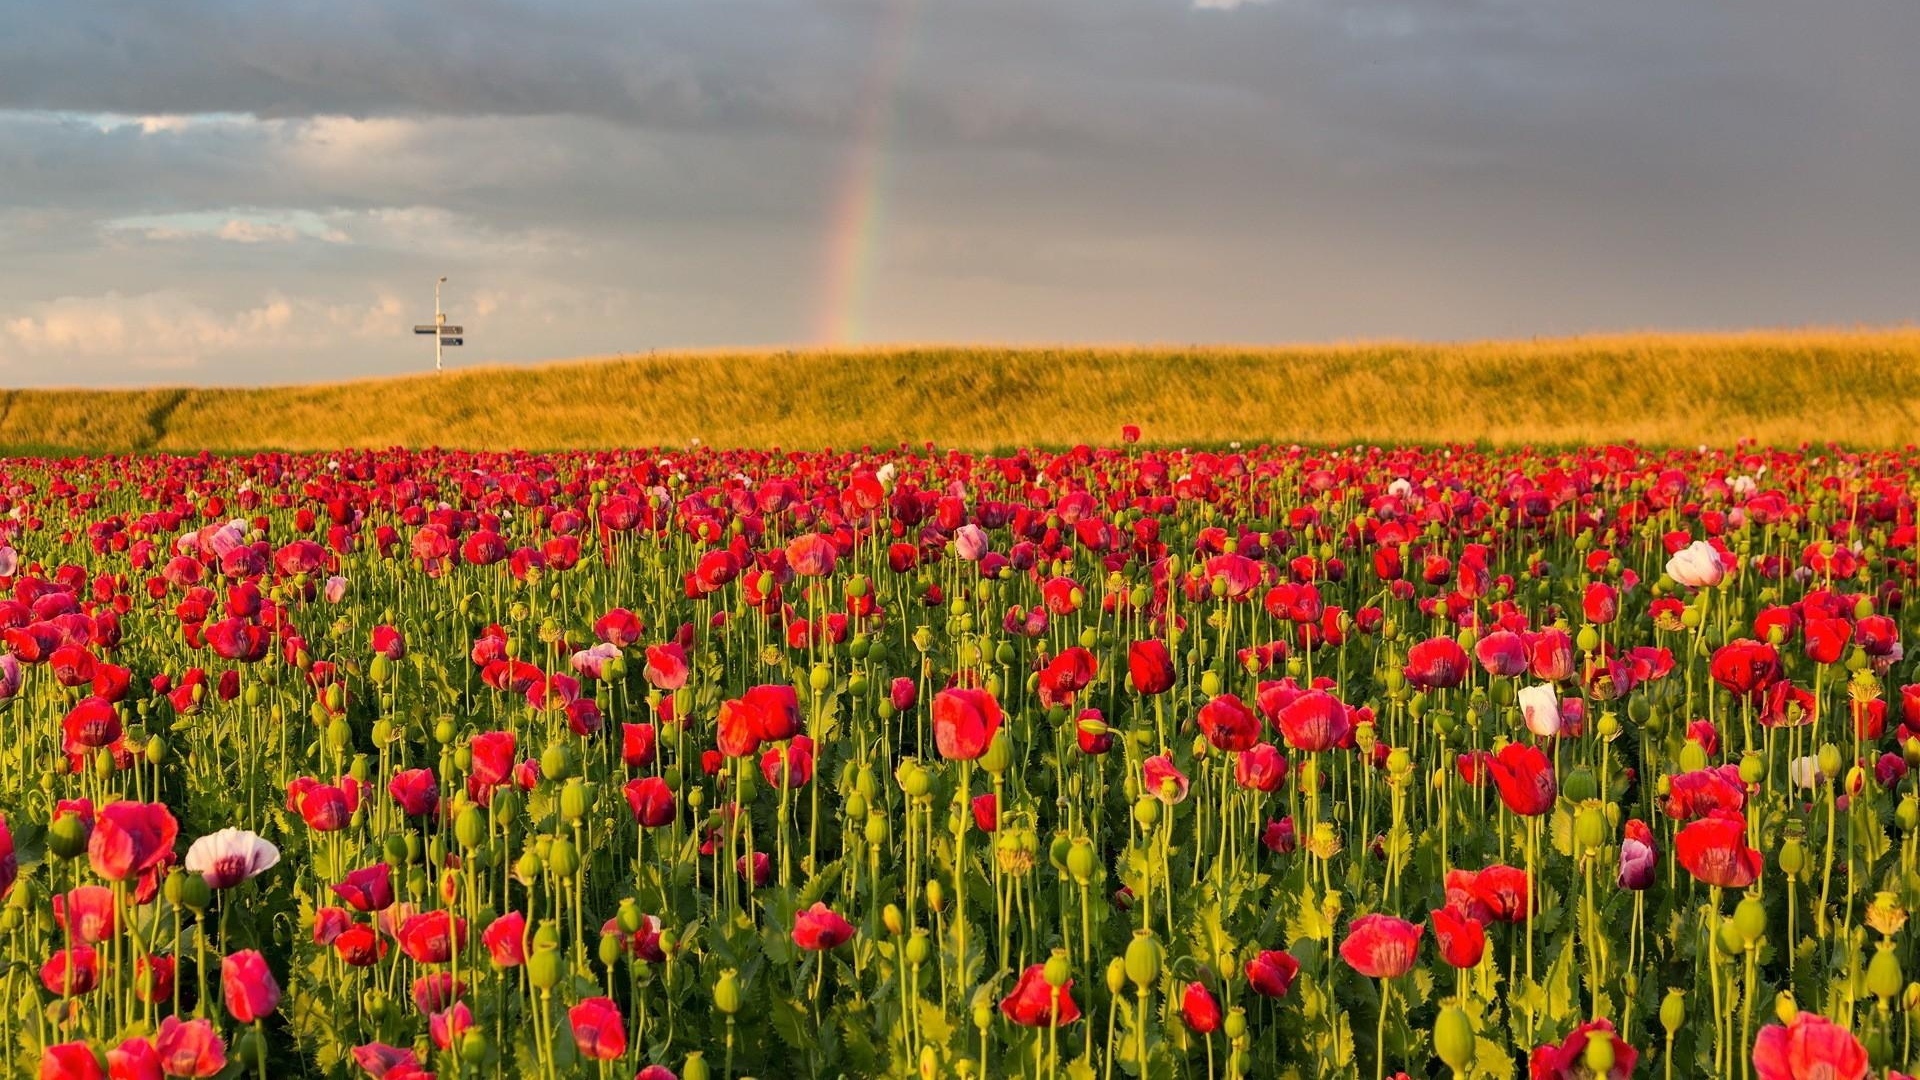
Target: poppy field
<point>1260,762</point>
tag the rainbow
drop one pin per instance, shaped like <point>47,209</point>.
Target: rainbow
<point>858,203</point>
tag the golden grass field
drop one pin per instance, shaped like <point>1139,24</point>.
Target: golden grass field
<point>1860,388</point>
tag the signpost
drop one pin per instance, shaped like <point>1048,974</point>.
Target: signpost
<point>444,333</point>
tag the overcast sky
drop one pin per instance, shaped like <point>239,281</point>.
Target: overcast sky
<point>251,191</point>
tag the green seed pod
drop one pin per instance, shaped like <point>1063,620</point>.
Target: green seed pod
<point>820,678</point>
<point>1750,920</point>
<point>1753,768</point>
<point>999,755</point>
<point>1599,1055</point>
<point>1673,1012</point>
<point>1581,786</point>
<point>1144,954</point>
<point>574,800</point>
<point>563,860</point>
<point>1693,756</point>
<point>695,1067</point>
<point>470,828</point>
<point>1453,1038</point>
<point>1831,762</point>
<point>1058,968</point>
<point>919,947</point>
<point>1729,939</point>
<point>1082,860</point>
<point>505,806</point>
<point>1884,979</point>
<point>1146,811</point>
<point>67,836</point>
<point>1590,829</point>
<point>1793,857</point>
<point>195,894</point>
<point>556,762</point>
<point>543,969</point>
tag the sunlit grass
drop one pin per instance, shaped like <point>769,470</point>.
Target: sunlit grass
<point>1855,387</point>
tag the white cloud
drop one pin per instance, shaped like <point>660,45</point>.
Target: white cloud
<point>168,330</point>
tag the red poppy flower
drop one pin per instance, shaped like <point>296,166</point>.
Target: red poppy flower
<point>1149,667</point>
<point>1381,946</point>
<point>1199,1010</point>
<point>652,801</point>
<point>1524,778</point>
<point>598,1029</point>
<point>1568,1061</point>
<point>1229,724</point>
<point>818,928</point>
<point>247,986</point>
<point>1035,1003</point>
<point>964,723</point>
<point>190,1049</point>
<point>1436,664</point>
<point>1811,1047</point>
<point>1462,940</point>
<point>1714,850</point>
<point>1271,972</point>
<point>130,838</point>
<point>1315,722</point>
<point>1745,667</point>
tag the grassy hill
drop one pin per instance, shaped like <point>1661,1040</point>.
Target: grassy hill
<point>1860,388</point>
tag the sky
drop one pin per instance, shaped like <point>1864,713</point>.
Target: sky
<point>264,191</point>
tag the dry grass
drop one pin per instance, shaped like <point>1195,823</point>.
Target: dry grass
<point>1857,387</point>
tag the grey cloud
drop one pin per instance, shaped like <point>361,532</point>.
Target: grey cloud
<point>603,177</point>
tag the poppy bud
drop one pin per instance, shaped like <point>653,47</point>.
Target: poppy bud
<point>890,918</point>
<point>1116,975</point>
<point>611,948</point>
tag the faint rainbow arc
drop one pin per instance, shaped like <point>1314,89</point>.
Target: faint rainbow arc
<point>858,207</point>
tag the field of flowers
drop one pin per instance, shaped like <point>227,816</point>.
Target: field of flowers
<point>1271,762</point>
